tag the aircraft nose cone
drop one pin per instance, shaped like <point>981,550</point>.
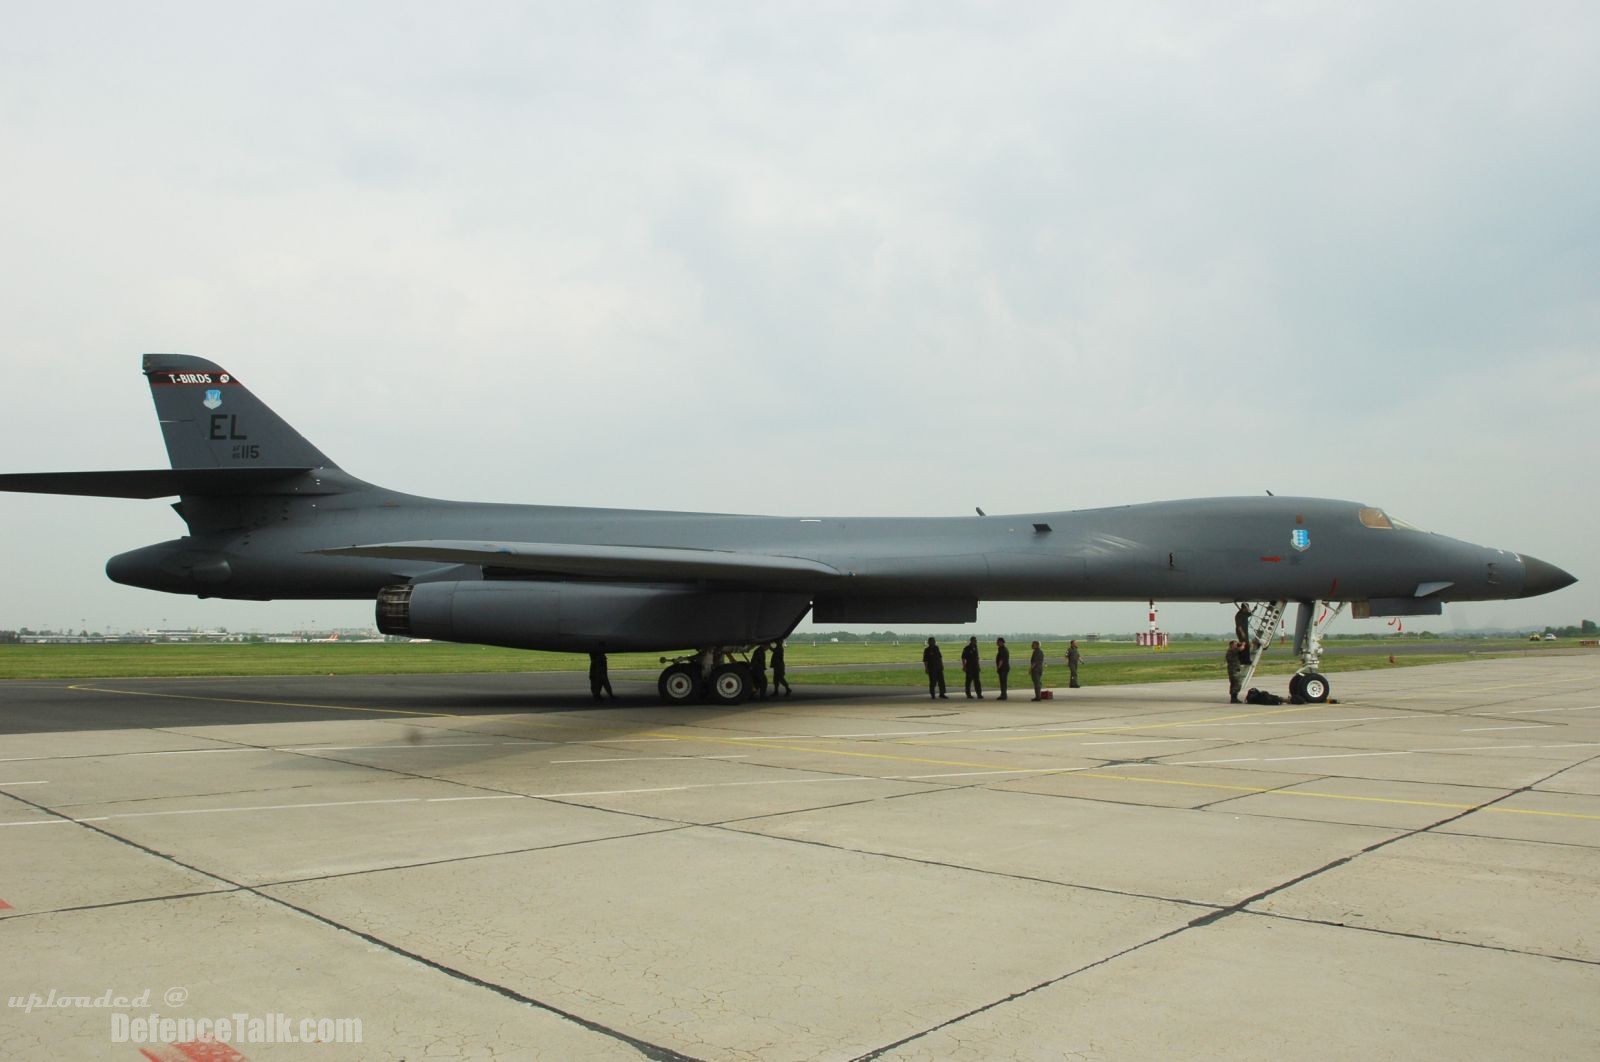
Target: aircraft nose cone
<point>1542,578</point>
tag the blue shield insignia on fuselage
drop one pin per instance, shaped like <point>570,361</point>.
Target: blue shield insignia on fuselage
<point>1300,539</point>
<point>213,399</point>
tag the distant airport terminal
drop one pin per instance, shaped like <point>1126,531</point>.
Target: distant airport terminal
<point>152,635</point>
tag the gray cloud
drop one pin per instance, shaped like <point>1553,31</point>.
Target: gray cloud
<point>894,258</point>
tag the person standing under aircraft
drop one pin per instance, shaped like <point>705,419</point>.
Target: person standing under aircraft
<point>707,660</point>
<point>1241,623</point>
<point>1235,671</point>
<point>1036,670</point>
<point>758,672</point>
<point>1074,658</point>
<point>971,668</point>
<point>1002,664</point>
<point>599,679</point>
<point>778,671</point>
<point>933,664</point>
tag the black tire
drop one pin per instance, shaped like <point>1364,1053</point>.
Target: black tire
<point>1314,688</point>
<point>679,684</point>
<point>730,684</point>
<point>1297,688</point>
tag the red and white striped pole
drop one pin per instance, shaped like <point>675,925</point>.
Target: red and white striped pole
<point>1153,637</point>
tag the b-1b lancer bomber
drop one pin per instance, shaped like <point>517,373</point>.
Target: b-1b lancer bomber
<point>270,516</point>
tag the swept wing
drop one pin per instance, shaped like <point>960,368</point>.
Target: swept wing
<point>605,561</point>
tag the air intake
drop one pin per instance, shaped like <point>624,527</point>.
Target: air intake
<point>394,610</point>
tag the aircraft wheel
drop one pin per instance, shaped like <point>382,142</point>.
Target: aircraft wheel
<point>1314,688</point>
<point>679,684</point>
<point>730,683</point>
<point>1297,687</point>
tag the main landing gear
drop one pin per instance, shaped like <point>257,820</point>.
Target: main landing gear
<point>1307,685</point>
<point>709,675</point>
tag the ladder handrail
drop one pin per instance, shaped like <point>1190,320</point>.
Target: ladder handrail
<point>1264,627</point>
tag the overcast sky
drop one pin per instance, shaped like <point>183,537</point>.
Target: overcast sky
<point>810,258</point>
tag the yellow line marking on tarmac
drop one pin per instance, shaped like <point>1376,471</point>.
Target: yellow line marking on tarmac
<point>1086,773</point>
<point>1258,790</point>
<point>1122,729</point>
<point>768,744</point>
<point>753,743</point>
<point>1443,691</point>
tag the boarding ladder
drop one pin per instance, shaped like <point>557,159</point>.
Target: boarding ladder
<point>1265,619</point>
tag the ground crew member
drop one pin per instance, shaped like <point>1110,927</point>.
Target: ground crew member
<point>598,678</point>
<point>1073,659</point>
<point>933,664</point>
<point>1235,671</point>
<point>708,659</point>
<point>1036,670</point>
<point>758,672</point>
<point>777,671</point>
<point>1002,664</point>
<point>971,669</point>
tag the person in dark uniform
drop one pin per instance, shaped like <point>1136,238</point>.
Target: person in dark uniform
<point>1241,623</point>
<point>1036,670</point>
<point>777,671</point>
<point>1235,671</point>
<point>758,672</point>
<point>598,678</point>
<point>1002,664</point>
<point>933,664</point>
<point>1074,658</point>
<point>971,668</point>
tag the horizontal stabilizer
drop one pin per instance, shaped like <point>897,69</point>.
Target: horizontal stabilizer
<point>147,482</point>
<point>606,562</point>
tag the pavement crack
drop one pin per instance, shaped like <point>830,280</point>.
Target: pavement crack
<point>962,868</point>
<point>675,827</point>
<point>644,1047</point>
<point>117,903</point>
<point>1240,905</point>
<point>1421,936</point>
<point>880,1051</point>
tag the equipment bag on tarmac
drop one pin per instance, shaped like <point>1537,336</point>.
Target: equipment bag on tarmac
<point>1256,696</point>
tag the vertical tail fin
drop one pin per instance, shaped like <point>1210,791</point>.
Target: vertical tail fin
<point>210,420</point>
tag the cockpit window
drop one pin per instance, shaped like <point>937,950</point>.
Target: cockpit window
<point>1378,518</point>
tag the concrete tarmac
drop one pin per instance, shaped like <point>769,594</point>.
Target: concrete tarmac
<point>491,866</point>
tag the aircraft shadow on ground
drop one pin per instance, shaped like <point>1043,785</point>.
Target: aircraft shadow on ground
<point>111,704</point>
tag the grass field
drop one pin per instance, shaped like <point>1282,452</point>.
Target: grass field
<point>1105,663</point>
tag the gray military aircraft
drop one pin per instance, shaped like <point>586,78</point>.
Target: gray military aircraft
<point>270,516</point>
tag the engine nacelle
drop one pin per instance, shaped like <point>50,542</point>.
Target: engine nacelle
<point>586,617</point>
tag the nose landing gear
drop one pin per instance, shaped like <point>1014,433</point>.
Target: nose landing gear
<point>1310,687</point>
<point>1307,685</point>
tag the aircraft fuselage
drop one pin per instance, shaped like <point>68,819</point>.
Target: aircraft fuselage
<point>1218,549</point>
